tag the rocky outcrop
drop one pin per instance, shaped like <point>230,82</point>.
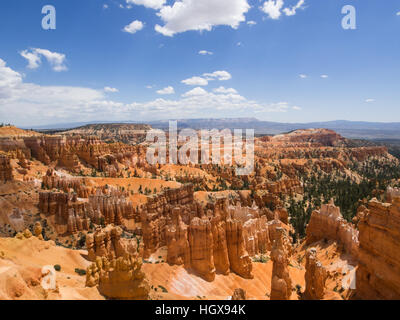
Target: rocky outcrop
<point>69,151</point>
<point>5,168</point>
<point>328,223</point>
<point>201,248</point>
<point>73,215</point>
<point>220,247</point>
<point>378,274</point>
<point>239,259</point>
<point>239,294</point>
<point>315,277</point>
<point>107,242</point>
<point>119,278</point>
<point>53,181</point>
<point>177,240</point>
<point>281,284</point>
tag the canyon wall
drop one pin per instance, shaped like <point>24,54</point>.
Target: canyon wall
<point>328,223</point>
<point>210,239</point>
<point>378,274</point>
<point>5,169</point>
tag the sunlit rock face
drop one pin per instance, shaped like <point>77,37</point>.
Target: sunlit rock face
<point>378,274</point>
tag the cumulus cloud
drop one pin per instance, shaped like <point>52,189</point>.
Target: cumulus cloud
<point>195,81</point>
<point>33,59</point>
<point>205,53</point>
<point>369,100</point>
<point>297,108</point>
<point>218,75</point>
<point>195,92</point>
<point>134,27</point>
<point>109,89</point>
<point>225,90</point>
<point>167,90</point>
<point>324,76</point>
<point>398,13</point>
<point>251,23</point>
<point>273,8</point>
<point>201,15</point>
<point>105,6</point>
<point>29,104</point>
<point>292,11</point>
<point>303,76</point>
<point>153,4</point>
<point>206,77</point>
<point>55,59</point>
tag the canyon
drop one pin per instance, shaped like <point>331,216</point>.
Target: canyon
<point>311,222</point>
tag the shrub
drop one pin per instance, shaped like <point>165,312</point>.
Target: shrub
<point>81,272</point>
<point>57,267</point>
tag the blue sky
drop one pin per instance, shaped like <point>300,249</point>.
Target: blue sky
<point>264,59</point>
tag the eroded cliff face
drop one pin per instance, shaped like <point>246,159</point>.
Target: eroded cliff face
<point>378,274</point>
<point>5,169</point>
<point>281,283</point>
<point>107,242</point>
<point>316,276</point>
<point>72,214</point>
<point>119,278</point>
<point>215,238</point>
<point>328,223</point>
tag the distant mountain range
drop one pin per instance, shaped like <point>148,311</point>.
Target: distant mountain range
<point>348,129</point>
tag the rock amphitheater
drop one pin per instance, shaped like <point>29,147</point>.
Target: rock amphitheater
<point>110,226</point>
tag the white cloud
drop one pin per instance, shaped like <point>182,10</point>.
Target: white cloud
<point>273,8</point>
<point>134,26</point>
<point>324,76</point>
<point>292,10</point>
<point>398,13</point>
<point>296,108</point>
<point>109,89</point>
<point>29,104</point>
<point>55,59</point>
<point>153,4</point>
<point>218,75</point>
<point>251,23</point>
<point>195,92</point>
<point>105,6</point>
<point>369,100</point>
<point>195,81</point>
<point>149,87</point>
<point>201,15</point>
<point>225,90</point>
<point>303,76</point>
<point>33,59</point>
<point>167,90</point>
<point>206,77</point>
<point>205,53</point>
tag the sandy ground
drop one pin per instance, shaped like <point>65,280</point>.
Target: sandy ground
<point>181,284</point>
<point>21,262</point>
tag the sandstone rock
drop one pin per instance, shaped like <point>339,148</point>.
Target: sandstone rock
<point>27,234</point>
<point>37,230</point>
<point>328,223</point>
<point>5,168</point>
<point>119,278</point>
<point>378,274</point>
<point>239,294</point>
<point>281,285</point>
<point>201,248</point>
<point>316,276</point>
<point>107,242</point>
<point>239,259</point>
